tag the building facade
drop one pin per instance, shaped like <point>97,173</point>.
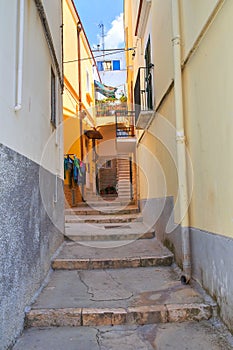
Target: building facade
<point>180,79</point>
<point>112,69</point>
<point>31,148</point>
<point>79,114</point>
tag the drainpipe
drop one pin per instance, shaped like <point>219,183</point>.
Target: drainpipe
<point>79,29</point>
<point>18,105</point>
<point>180,142</point>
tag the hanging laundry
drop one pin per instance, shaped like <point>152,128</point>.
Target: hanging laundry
<point>77,170</point>
<point>68,166</point>
<point>82,179</point>
<point>107,91</point>
<point>65,166</point>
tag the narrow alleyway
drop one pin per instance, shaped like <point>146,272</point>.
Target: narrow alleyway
<point>114,286</point>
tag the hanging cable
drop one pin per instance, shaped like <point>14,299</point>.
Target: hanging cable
<point>107,54</point>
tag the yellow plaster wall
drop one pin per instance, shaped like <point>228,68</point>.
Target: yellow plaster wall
<point>72,82</point>
<point>70,45</point>
<point>208,80</point>
<point>157,155</point>
<point>207,86</point>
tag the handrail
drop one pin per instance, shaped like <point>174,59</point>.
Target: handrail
<point>125,123</point>
<point>143,90</point>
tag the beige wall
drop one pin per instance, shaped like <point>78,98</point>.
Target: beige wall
<point>54,16</point>
<point>28,130</point>
<point>157,154</point>
<point>207,81</point>
<point>194,15</point>
<point>107,146</point>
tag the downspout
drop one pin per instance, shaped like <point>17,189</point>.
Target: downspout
<point>79,29</point>
<point>18,105</point>
<point>180,142</point>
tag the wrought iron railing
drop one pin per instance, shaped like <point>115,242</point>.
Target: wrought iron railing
<point>143,90</point>
<point>108,109</point>
<point>125,123</point>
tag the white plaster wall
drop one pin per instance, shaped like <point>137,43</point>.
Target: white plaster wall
<point>53,10</point>
<point>28,130</point>
<point>159,29</point>
<point>114,78</point>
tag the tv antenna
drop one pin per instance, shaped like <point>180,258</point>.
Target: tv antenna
<point>101,26</point>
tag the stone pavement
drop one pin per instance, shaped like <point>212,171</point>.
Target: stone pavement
<point>118,293</point>
<point>202,335</point>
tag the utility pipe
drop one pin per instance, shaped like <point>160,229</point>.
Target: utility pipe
<point>79,29</point>
<point>18,105</point>
<point>180,142</point>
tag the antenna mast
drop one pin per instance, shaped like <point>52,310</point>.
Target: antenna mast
<point>101,25</point>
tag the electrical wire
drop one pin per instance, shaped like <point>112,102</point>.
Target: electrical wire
<point>91,58</point>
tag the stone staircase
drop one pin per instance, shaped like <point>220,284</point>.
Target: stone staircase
<point>112,271</point>
<point>123,178</point>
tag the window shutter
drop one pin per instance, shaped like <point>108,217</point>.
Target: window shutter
<point>116,65</point>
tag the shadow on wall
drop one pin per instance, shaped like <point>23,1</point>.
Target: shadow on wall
<point>156,214</point>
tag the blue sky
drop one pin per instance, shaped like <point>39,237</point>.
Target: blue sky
<point>108,12</point>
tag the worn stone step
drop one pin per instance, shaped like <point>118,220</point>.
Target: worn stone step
<point>141,315</point>
<point>102,210</point>
<point>124,187</point>
<point>124,195</point>
<point>125,191</point>
<point>109,236</point>
<point>101,202</point>
<point>108,232</point>
<point>117,297</point>
<point>95,255</point>
<point>103,218</point>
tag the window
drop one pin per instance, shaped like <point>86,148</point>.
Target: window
<point>107,164</point>
<point>116,65</point>
<point>88,82</point>
<point>148,77</point>
<point>107,65</point>
<point>100,66</point>
<point>53,98</point>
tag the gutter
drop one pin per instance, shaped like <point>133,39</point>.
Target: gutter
<point>48,35</point>
<point>180,142</point>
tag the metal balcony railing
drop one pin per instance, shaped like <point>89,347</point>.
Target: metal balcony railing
<point>125,123</point>
<point>108,109</point>
<point>143,91</point>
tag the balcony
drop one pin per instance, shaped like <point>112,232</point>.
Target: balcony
<point>125,131</point>
<point>143,97</point>
<point>105,111</point>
